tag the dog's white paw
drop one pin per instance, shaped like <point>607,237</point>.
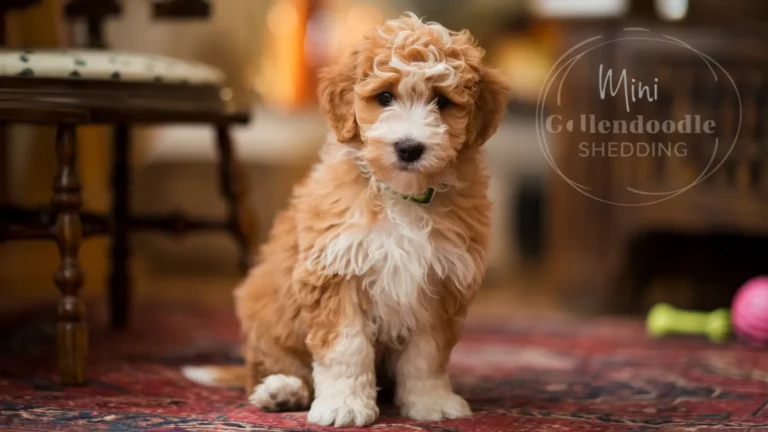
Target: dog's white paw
<point>280,393</point>
<point>343,410</point>
<point>434,407</point>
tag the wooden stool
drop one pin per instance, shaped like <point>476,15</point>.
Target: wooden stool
<point>69,88</point>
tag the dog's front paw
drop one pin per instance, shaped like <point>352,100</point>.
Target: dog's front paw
<point>345,410</point>
<point>434,407</point>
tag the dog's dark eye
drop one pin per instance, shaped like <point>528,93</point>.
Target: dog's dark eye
<point>385,98</point>
<point>442,102</point>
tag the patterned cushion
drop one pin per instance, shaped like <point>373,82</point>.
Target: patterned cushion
<point>106,65</point>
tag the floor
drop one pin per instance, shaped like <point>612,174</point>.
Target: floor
<point>522,364</point>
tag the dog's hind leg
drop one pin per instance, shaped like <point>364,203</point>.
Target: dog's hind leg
<point>277,378</point>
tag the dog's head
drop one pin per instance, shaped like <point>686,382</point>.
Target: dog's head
<point>415,94</point>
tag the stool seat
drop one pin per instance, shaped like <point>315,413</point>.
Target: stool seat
<point>106,65</point>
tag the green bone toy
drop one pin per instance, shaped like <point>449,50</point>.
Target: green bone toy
<point>664,319</point>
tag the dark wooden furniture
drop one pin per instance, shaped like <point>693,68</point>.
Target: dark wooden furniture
<point>174,9</point>
<point>69,103</point>
<point>592,261</point>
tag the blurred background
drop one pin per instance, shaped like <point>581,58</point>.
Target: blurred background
<point>553,249</point>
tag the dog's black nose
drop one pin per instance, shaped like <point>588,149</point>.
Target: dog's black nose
<point>409,150</point>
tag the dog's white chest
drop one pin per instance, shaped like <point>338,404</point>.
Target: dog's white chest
<point>398,260</point>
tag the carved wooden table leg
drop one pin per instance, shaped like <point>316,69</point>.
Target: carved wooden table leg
<point>119,279</point>
<point>67,201</point>
<point>241,221</point>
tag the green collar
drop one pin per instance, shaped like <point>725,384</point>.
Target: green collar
<point>424,198</point>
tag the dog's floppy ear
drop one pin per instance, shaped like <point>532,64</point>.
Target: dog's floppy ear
<point>490,107</point>
<point>336,94</point>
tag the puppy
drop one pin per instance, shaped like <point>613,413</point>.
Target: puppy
<point>372,266</point>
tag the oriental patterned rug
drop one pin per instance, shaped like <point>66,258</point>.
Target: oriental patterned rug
<point>531,375</point>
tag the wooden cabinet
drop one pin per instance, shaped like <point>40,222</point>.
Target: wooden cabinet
<point>589,239</point>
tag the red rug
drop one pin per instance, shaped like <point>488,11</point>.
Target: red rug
<point>603,375</point>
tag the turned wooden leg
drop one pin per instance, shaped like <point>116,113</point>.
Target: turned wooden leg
<point>119,279</point>
<point>67,201</point>
<point>241,221</point>
<point>3,165</point>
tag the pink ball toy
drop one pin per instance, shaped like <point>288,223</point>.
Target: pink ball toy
<point>749,311</point>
